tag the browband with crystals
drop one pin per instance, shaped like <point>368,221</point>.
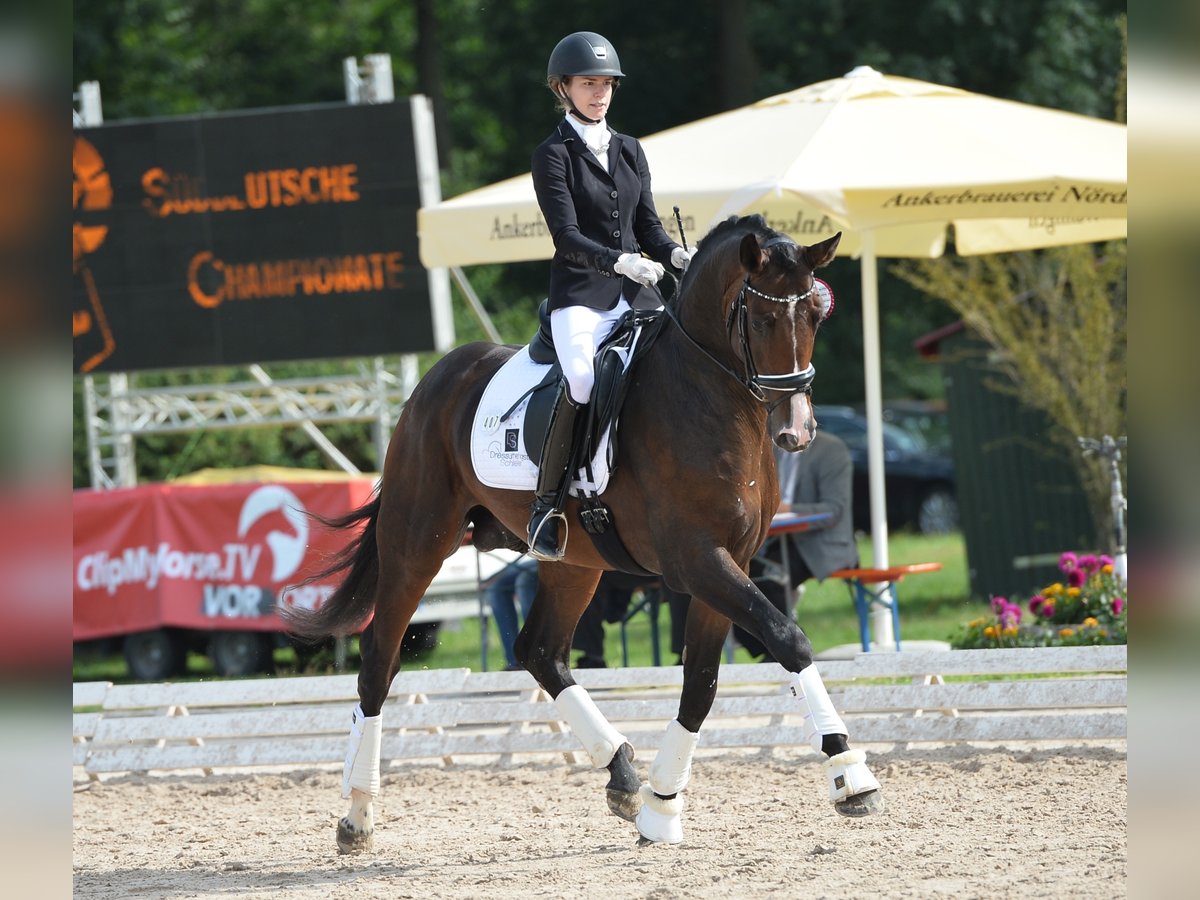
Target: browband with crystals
<point>824,292</point>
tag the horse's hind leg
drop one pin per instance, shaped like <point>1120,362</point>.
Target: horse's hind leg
<point>660,820</point>
<point>543,647</point>
<point>418,528</point>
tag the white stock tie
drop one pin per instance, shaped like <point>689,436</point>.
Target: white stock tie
<point>597,139</point>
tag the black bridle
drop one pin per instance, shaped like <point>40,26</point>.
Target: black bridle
<point>757,384</point>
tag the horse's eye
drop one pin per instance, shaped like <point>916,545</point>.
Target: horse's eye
<point>762,324</point>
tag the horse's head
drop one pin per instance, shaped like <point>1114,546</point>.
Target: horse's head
<point>774,309</point>
<point>770,308</point>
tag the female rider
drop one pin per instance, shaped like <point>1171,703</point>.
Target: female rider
<point>593,187</point>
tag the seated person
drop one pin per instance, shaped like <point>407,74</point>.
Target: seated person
<point>519,578</point>
<point>610,603</point>
<point>678,604</point>
<point>818,479</point>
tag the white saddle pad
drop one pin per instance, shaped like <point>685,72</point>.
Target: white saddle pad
<point>498,448</point>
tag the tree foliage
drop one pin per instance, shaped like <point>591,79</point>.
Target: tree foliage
<point>1058,321</point>
<point>484,68</point>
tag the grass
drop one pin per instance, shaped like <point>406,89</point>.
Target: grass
<point>932,606</point>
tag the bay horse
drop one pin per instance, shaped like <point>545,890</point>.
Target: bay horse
<point>692,494</point>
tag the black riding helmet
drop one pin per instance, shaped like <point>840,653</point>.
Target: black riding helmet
<point>584,53</point>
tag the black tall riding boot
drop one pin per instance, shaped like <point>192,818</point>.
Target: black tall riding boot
<point>544,542</point>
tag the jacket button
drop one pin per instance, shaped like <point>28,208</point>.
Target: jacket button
<point>616,214</point>
<point>617,233</point>
<point>613,195</point>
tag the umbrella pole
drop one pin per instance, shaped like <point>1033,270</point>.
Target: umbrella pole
<point>881,616</point>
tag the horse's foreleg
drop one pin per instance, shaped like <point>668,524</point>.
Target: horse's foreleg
<point>661,818</point>
<point>852,788</point>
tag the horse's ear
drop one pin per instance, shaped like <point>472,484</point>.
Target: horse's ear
<point>820,255</point>
<point>753,256</point>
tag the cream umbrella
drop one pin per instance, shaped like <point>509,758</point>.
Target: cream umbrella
<point>891,162</point>
<point>899,157</point>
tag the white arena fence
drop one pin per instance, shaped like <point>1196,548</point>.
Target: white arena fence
<point>1053,693</point>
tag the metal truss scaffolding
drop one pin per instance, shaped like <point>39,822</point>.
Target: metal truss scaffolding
<point>117,411</point>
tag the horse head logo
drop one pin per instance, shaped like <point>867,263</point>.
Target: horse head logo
<point>287,550</point>
<point>91,194</point>
<point>91,191</point>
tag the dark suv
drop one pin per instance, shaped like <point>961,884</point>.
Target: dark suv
<point>918,481</point>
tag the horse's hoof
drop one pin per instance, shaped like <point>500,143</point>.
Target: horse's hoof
<point>622,790</point>
<point>623,805</point>
<point>351,840</point>
<point>644,841</point>
<point>869,803</point>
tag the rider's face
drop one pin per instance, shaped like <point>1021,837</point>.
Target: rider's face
<point>591,94</point>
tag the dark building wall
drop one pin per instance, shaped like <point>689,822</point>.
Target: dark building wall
<point>1018,491</point>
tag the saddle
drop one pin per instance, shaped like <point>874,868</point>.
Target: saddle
<point>633,335</point>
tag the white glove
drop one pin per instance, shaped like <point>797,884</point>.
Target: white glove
<point>644,271</point>
<point>681,257</point>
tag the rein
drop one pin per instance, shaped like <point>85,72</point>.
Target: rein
<point>749,385</point>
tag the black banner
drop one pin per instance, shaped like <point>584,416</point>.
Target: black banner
<point>247,237</point>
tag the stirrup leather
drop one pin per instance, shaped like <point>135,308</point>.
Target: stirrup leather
<point>554,474</point>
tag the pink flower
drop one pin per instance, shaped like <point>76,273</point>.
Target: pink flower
<point>1118,605</point>
<point>1067,561</point>
<point>998,604</point>
<point>1076,577</point>
<point>1048,609</point>
<point>1010,616</point>
<point>1089,563</point>
<point>1035,603</point>
<point>1105,560</point>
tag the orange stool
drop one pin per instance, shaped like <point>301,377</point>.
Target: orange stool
<point>865,597</point>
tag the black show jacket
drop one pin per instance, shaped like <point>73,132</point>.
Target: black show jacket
<point>595,216</point>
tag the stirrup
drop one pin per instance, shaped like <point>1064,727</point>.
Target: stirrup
<point>560,545</point>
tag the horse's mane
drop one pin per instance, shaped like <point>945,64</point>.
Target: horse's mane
<point>733,228</point>
<point>740,225</point>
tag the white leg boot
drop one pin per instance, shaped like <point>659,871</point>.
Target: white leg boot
<point>848,775</point>
<point>360,783</point>
<point>596,733</point>
<point>853,790</point>
<point>659,820</point>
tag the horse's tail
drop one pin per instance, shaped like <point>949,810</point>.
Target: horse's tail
<point>353,601</point>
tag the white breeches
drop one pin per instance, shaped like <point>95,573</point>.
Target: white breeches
<point>577,332</point>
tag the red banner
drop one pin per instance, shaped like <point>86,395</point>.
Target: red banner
<point>209,557</point>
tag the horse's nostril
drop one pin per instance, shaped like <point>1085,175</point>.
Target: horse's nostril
<point>787,440</point>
